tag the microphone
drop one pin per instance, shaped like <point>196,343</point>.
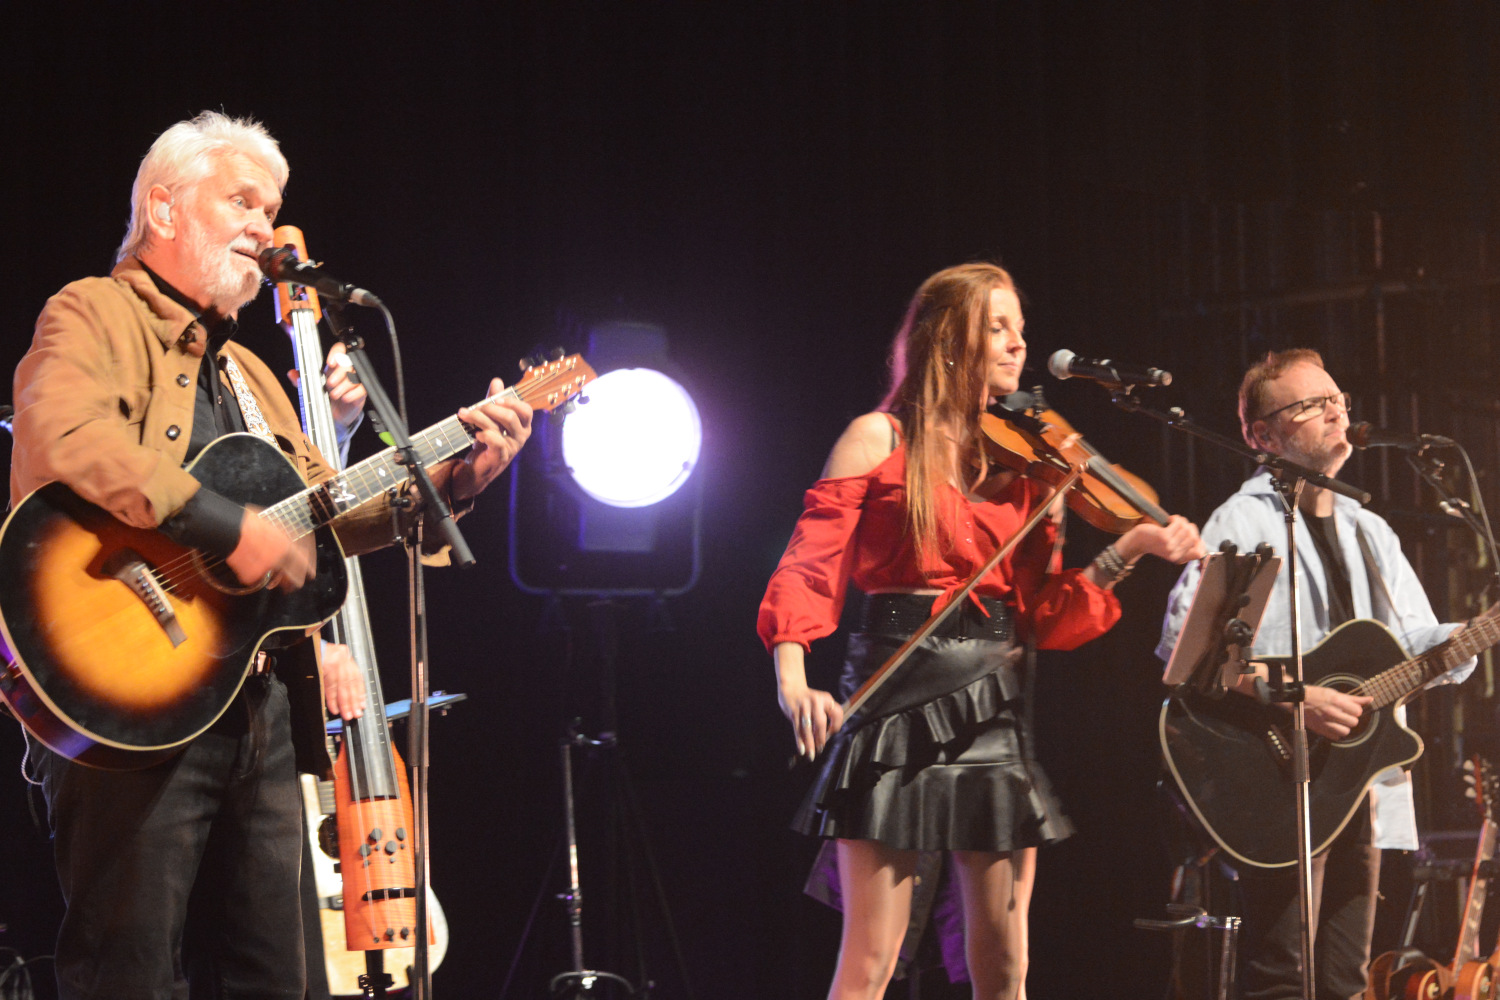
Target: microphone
<point>282,264</point>
<point>1066,364</point>
<point>1366,435</point>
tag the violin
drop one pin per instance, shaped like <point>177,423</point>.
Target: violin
<point>1044,446</point>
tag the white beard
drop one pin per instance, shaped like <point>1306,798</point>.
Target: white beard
<point>219,273</point>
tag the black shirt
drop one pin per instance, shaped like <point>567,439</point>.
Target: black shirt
<point>208,521</point>
<point>1325,538</point>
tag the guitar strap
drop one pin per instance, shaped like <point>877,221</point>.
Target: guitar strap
<point>1380,594</point>
<point>255,421</point>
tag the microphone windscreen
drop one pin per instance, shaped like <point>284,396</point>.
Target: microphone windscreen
<point>1058,363</point>
<point>276,262</point>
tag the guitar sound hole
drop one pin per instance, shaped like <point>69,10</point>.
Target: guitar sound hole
<point>1367,719</point>
<point>222,578</point>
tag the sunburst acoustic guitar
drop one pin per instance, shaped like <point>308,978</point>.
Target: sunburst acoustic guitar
<point>121,646</point>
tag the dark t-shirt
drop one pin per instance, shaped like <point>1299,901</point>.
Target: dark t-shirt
<point>1340,594</point>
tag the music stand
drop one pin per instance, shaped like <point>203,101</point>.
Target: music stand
<point>1222,620</point>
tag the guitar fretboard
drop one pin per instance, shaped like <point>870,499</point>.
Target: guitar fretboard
<point>302,513</point>
<point>544,387</point>
<point>1390,686</point>
<point>1468,938</point>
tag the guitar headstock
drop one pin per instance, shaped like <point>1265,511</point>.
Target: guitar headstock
<point>549,383</point>
<point>1483,785</point>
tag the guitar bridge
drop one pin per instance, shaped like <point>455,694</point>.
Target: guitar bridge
<point>130,569</point>
<point>1278,745</point>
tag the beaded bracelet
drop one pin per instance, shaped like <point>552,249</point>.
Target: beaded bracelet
<point>1112,566</point>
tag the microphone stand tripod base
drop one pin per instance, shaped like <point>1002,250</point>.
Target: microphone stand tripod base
<point>582,983</point>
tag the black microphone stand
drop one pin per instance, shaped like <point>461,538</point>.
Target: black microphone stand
<point>1427,464</point>
<point>1289,479</point>
<point>390,422</point>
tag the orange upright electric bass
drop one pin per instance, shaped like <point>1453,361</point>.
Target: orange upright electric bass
<point>367,903</point>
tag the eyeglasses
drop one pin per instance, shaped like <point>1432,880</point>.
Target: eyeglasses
<point>1306,409</point>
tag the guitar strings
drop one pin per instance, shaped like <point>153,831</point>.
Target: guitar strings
<point>1389,685</point>
<point>294,513</point>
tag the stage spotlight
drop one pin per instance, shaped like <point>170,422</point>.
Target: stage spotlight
<point>636,442</point>
<point>607,502</point>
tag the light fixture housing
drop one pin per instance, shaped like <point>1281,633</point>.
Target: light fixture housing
<point>609,500</point>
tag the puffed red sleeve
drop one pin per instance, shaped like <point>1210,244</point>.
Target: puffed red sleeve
<point>1060,608</point>
<point>1070,610</point>
<point>805,597</point>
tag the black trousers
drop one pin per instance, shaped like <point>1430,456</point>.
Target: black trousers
<point>181,879</point>
<point>1346,880</point>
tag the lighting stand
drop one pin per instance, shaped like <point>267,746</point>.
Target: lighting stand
<point>581,981</point>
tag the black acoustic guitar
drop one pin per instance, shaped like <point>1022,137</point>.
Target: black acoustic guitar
<point>1232,756</point>
<point>123,646</point>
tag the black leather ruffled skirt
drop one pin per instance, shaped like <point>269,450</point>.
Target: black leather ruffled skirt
<point>940,758</point>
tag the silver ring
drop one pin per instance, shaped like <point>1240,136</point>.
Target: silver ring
<point>807,722</point>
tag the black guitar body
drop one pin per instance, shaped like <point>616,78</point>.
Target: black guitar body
<point>1231,757</point>
<point>94,673</point>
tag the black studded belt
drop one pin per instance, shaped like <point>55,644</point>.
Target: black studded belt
<point>904,614</point>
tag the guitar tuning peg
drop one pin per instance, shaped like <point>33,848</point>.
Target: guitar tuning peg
<point>525,365</point>
<point>556,354</point>
<point>1468,767</point>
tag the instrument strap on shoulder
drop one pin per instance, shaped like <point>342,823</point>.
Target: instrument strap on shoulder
<point>1379,592</point>
<point>255,421</point>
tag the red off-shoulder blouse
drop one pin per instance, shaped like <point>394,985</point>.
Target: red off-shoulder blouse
<point>852,529</point>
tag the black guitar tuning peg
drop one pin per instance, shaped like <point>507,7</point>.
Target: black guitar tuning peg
<point>556,354</point>
<point>525,365</point>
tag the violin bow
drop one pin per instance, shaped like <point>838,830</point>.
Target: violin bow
<point>876,680</point>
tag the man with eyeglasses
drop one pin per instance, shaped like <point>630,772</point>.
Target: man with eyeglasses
<point>1351,566</point>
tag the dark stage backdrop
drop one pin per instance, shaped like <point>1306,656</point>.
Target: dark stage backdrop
<point>1179,184</point>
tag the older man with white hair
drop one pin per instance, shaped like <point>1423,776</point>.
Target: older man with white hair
<point>188,870</point>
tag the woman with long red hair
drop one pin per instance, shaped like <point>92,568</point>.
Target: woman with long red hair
<point>908,509</point>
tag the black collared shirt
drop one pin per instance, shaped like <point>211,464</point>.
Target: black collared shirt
<point>208,521</point>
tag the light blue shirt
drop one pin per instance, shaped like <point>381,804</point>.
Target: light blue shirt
<point>1254,514</point>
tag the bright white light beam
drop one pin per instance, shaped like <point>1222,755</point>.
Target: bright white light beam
<point>636,441</point>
